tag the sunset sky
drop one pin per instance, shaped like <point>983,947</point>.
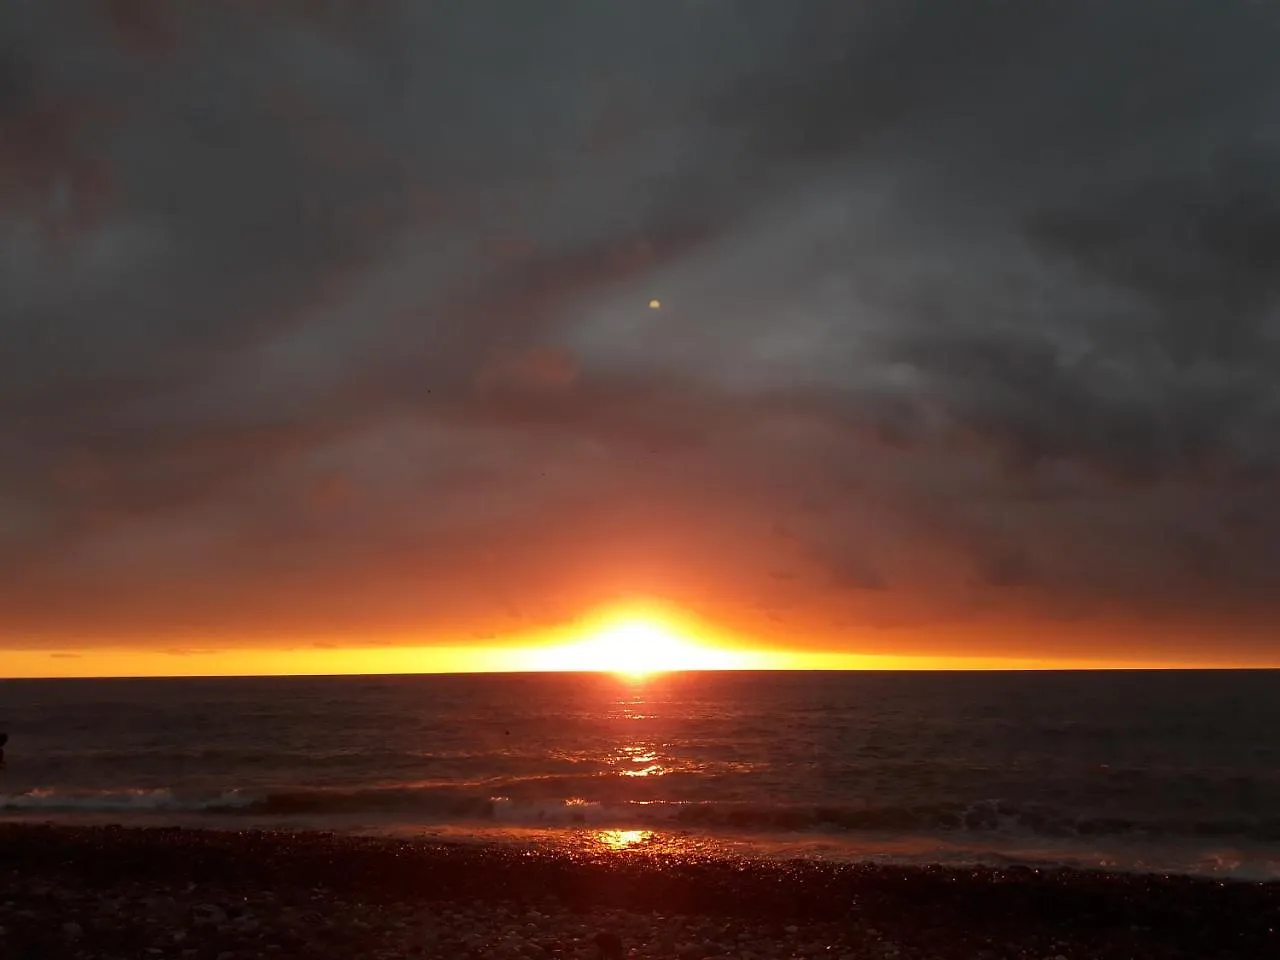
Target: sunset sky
<point>411,336</point>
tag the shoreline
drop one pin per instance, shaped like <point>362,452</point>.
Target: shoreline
<point>550,904</point>
<point>1212,857</point>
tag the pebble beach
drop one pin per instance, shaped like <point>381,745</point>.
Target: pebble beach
<point>130,893</point>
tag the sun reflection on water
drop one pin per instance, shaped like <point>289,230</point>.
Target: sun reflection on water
<point>623,839</point>
<point>631,757</point>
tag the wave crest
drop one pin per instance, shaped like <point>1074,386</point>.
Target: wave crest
<point>437,804</point>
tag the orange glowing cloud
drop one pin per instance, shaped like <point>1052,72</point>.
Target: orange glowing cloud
<point>363,359</point>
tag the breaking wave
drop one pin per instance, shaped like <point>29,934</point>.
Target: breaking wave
<point>416,804</point>
<point>120,801</point>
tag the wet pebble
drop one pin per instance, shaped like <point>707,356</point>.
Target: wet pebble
<point>250,902</point>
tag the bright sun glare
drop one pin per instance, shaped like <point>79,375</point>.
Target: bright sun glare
<point>636,648</point>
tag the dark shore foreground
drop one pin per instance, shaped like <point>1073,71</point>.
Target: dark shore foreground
<point>104,892</point>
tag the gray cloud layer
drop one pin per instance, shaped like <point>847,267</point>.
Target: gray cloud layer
<point>973,302</point>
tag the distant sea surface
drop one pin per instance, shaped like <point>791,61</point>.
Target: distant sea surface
<point>1167,772</point>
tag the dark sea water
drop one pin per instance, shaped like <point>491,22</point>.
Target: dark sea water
<point>1171,772</point>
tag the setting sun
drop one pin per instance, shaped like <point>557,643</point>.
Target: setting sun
<point>637,648</point>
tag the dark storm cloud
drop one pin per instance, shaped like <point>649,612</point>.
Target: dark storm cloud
<point>966,296</point>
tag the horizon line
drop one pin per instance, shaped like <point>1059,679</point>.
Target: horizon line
<point>657,674</point>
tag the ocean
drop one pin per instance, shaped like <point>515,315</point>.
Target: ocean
<point>1170,772</point>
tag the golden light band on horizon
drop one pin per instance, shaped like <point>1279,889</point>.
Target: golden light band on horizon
<point>357,660</point>
<point>638,647</point>
<point>631,640</point>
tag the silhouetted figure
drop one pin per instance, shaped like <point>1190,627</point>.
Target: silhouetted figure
<point>4,738</point>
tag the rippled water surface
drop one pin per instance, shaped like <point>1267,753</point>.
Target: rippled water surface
<point>1155,770</point>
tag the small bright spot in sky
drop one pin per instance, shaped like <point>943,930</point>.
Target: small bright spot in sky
<point>655,304</point>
